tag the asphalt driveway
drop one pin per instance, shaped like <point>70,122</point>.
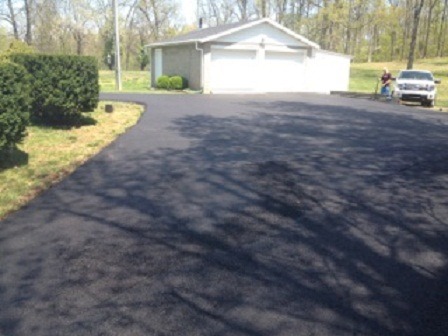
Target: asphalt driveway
<point>241,215</point>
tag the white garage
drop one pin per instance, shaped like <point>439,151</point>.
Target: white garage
<point>228,65</point>
<point>284,71</point>
<point>250,57</point>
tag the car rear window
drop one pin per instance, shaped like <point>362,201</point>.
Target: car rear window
<point>415,75</point>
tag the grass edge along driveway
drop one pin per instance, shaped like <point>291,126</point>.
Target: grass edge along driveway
<point>48,154</point>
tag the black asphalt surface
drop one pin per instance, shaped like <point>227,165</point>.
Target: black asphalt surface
<point>241,215</point>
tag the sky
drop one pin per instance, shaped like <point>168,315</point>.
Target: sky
<point>189,10</point>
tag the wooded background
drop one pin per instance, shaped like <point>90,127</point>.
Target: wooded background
<point>370,30</point>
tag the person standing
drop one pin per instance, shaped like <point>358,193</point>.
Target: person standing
<point>386,80</point>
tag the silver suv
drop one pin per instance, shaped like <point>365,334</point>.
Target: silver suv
<point>416,86</point>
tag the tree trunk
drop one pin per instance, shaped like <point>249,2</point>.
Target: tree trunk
<point>442,32</point>
<point>142,44</point>
<point>243,9</point>
<point>156,20</point>
<point>281,10</point>
<point>393,39</point>
<point>428,28</point>
<point>263,9</point>
<point>406,29</point>
<point>417,11</point>
<point>324,26</point>
<point>129,45</point>
<point>28,35</point>
<point>79,38</point>
<point>12,15</point>
<point>348,32</point>
<point>372,44</point>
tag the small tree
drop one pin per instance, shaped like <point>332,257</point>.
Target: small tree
<point>143,58</point>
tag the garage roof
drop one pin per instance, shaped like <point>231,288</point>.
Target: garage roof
<point>213,33</point>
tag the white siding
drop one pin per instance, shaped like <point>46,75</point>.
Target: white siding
<point>269,34</point>
<point>264,58</point>
<point>256,70</point>
<point>327,72</point>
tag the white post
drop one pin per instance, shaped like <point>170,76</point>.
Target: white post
<point>117,49</point>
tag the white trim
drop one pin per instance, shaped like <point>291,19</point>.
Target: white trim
<point>254,46</point>
<point>163,44</point>
<point>255,23</point>
<point>285,49</point>
<point>237,29</point>
<point>334,53</point>
<point>233,30</point>
<point>236,46</point>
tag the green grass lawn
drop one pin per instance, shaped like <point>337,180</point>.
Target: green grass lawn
<point>48,153</point>
<point>363,76</point>
<point>132,81</point>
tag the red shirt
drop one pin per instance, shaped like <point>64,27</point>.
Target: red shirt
<point>385,78</point>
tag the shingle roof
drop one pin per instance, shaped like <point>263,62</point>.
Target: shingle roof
<point>208,34</point>
<point>203,33</point>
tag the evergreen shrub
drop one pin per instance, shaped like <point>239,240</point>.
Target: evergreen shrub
<point>61,86</point>
<point>14,104</point>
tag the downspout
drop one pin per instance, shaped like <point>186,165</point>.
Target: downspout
<point>202,65</point>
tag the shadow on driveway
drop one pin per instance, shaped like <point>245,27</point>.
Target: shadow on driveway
<point>292,218</point>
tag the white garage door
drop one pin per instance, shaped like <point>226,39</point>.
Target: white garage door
<point>233,70</point>
<point>284,72</point>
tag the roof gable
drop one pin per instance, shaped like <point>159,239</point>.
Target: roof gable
<point>265,33</point>
<point>214,33</point>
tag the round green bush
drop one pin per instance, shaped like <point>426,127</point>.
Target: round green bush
<point>163,82</point>
<point>178,83</point>
<point>14,104</point>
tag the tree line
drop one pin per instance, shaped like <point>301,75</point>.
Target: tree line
<point>85,27</point>
<point>369,30</point>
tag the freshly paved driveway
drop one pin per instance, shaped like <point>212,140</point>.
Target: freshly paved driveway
<point>241,215</point>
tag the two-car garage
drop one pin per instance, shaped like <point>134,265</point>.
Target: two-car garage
<point>256,71</point>
<point>247,57</point>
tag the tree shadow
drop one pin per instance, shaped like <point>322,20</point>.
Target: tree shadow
<point>292,219</point>
<point>83,120</point>
<point>13,158</point>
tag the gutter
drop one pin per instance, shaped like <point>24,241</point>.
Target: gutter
<point>163,44</point>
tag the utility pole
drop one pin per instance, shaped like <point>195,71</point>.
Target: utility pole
<point>117,49</point>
